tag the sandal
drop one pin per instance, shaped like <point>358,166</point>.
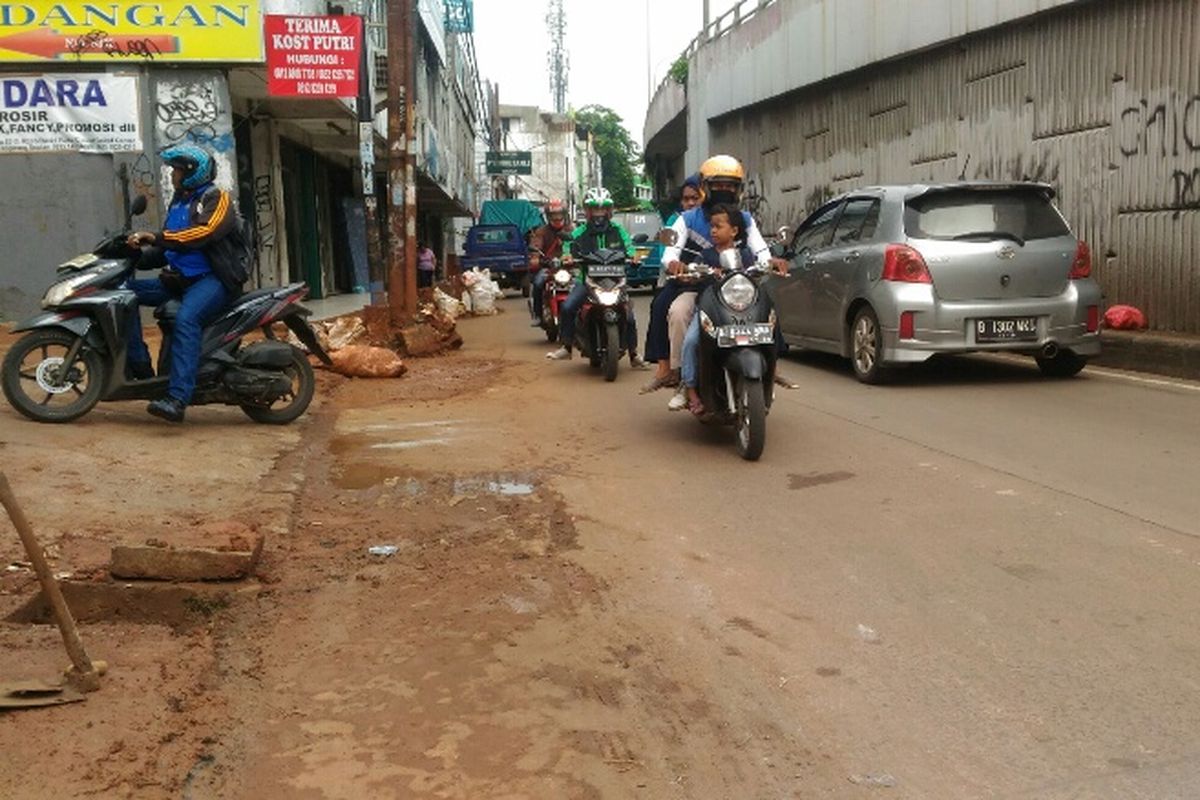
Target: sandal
<point>668,382</point>
<point>696,407</point>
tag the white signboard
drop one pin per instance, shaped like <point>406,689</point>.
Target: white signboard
<point>88,112</point>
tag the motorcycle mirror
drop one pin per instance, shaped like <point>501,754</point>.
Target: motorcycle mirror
<point>138,206</point>
<point>784,233</point>
<point>641,238</point>
<point>668,236</point>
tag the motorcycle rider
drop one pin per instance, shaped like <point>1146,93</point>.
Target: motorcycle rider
<point>598,232</point>
<point>203,269</point>
<point>721,181</point>
<point>548,240</point>
<point>658,343</point>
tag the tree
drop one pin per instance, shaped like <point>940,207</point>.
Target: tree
<point>618,152</point>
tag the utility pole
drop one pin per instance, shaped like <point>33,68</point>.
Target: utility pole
<point>402,188</point>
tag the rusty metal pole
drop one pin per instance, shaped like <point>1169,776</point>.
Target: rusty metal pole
<point>402,205</point>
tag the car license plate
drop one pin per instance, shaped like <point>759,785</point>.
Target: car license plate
<point>1011,329</point>
<point>745,335</point>
<point>606,270</point>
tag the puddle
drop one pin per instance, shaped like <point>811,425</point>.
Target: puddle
<point>514,485</point>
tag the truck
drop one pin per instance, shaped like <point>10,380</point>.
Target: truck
<point>498,242</point>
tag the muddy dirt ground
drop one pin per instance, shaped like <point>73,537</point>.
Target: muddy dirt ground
<point>480,658</point>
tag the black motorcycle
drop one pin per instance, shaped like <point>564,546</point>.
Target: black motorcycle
<point>75,353</point>
<point>601,329</point>
<point>738,353</point>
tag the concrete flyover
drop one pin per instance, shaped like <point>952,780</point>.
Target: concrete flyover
<point>1100,98</point>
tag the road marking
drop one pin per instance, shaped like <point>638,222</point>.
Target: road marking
<point>1131,378</point>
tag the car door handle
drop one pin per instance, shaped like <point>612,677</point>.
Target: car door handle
<point>852,256</point>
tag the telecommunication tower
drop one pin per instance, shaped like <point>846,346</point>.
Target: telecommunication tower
<point>558,61</point>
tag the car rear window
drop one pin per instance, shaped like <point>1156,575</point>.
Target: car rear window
<point>494,237</point>
<point>973,214</point>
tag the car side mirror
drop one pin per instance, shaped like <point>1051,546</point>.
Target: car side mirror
<point>641,238</point>
<point>668,236</point>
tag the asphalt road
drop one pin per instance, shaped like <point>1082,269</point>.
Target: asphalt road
<point>975,582</point>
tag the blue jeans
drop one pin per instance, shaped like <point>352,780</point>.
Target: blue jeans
<point>539,287</point>
<point>658,343</point>
<point>691,353</point>
<point>202,303</point>
<point>568,314</point>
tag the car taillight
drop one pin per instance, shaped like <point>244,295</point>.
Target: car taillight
<point>1093,319</point>
<point>902,263</point>
<point>1081,267</point>
<point>908,326</point>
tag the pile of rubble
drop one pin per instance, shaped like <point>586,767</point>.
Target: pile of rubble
<point>370,344</point>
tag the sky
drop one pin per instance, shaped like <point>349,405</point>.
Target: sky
<point>607,44</point>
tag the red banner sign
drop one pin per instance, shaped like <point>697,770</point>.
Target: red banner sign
<point>313,56</point>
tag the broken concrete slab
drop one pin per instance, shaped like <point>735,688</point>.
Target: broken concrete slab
<point>167,563</point>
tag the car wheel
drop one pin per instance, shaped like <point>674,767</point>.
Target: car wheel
<point>1064,365</point>
<point>866,347</point>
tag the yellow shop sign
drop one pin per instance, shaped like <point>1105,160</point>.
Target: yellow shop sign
<point>110,32</point>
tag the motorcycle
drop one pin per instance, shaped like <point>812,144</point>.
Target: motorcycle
<point>601,330</point>
<point>75,352</point>
<point>738,354</point>
<point>554,292</point>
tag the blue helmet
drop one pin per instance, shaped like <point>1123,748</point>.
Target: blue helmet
<point>197,165</point>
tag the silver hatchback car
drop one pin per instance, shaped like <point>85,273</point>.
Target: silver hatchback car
<point>892,275</point>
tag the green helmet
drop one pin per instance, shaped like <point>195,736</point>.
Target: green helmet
<point>597,197</point>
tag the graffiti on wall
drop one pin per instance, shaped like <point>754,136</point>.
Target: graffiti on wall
<point>1167,129</point>
<point>264,215</point>
<point>194,109</point>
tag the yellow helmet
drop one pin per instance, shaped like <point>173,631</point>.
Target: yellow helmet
<point>721,168</point>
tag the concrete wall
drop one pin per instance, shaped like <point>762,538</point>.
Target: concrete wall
<point>791,44</point>
<point>1100,99</point>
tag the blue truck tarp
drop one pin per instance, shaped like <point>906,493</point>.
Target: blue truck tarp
<point>522,213</point>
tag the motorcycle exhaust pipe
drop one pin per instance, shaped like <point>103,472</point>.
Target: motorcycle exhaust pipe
<point>1050,350</point>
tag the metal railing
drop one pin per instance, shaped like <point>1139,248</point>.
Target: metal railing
<point>732,19</point>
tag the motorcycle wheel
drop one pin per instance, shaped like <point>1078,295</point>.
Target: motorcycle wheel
<point>612,352</point>
<point>751,419</point>
<point>289,407</point>
<point>32,387</point>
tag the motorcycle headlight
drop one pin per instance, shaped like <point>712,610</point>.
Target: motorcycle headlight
<point>608,297</point>
<point>562,277</point>
<point>738,292</point>
<point>59,292</point>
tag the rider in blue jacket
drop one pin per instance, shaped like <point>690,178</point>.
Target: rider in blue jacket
<point>199,272</point>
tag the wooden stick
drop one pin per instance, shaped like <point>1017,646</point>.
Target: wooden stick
<point>84,674</point>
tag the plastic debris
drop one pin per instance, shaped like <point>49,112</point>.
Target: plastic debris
<point>364,361</point>
<point>1125,318</point>
<point>880,780</point>
<point>868,634</point>
<point>383,550</point>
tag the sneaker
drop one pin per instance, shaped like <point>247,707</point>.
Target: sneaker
<point>679,400</point>
<point>636,362</point>
<point>561,354</point>
<point>167,408</point>
<point>535,323</point>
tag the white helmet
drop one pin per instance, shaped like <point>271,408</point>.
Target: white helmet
<point>597,197</point>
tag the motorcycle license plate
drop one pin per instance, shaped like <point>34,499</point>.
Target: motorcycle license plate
<point>79,262</point>
<point>745,335</point>
<point>606,270</point>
